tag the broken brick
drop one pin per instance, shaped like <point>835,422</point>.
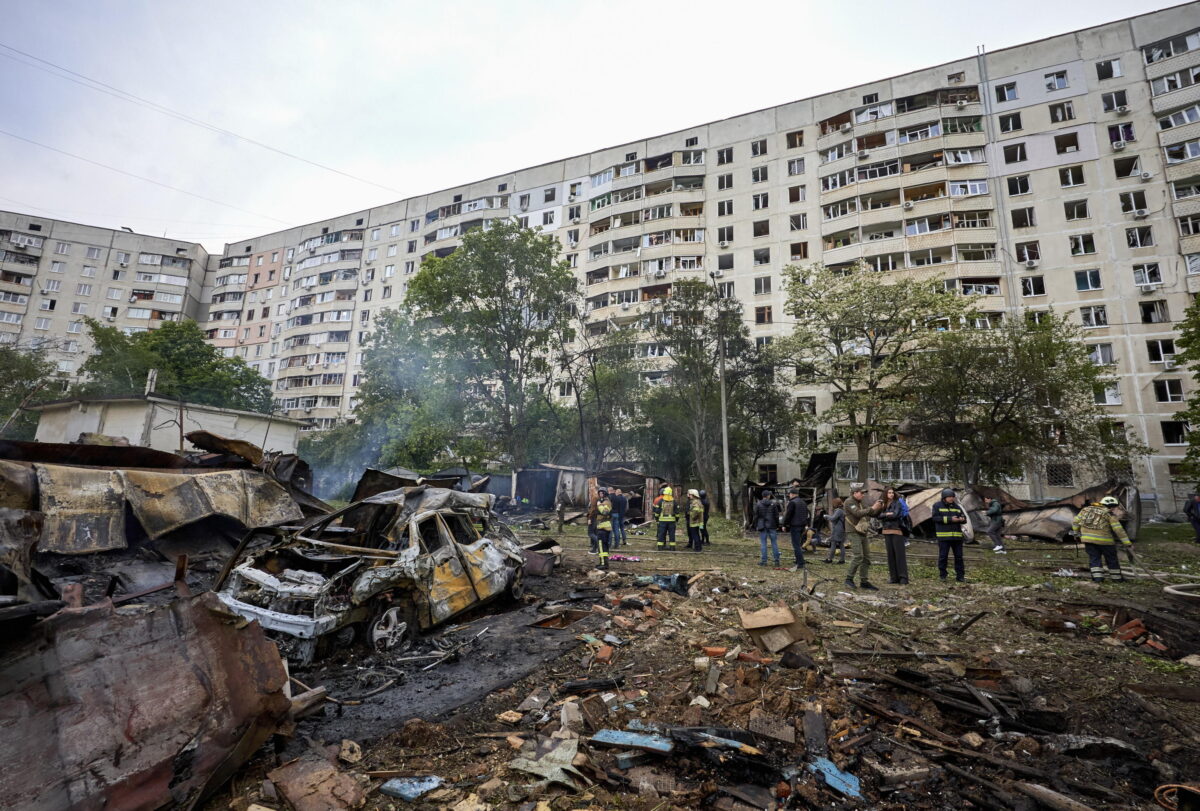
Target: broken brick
<point>624,622</point>
<point>754,656</point>
<point>601,609</point>
<point>1155,644</point>
<point>714,653</point>
<point>604,654</point>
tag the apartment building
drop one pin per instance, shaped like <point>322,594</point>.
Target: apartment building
<point>53,274</point>
<point>1063,173</point>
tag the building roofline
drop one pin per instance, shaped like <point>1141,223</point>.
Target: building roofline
<point>716,121</point>
<point>150,398</point>
<point>199,245</point>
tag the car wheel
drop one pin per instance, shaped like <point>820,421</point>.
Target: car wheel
<point>390,632</point>
<point>516,589</point>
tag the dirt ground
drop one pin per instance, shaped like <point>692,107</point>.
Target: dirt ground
<point>892,679</point>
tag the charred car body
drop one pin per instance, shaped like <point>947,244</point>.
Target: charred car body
<point>380,570</point>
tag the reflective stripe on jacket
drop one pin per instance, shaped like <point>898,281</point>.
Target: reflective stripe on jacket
<point>1095,524</point>
<point>944,525</point>
<point>603,511</point>
<point>664,508</point>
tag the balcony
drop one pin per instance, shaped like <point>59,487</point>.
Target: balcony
<point>1175,99</point>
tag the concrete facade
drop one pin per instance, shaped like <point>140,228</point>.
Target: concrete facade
<point>1063,172</point>
<point>152,422</point>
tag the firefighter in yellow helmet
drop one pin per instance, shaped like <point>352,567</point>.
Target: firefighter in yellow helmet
<point>1100,531</point>
<point>695,521</point>
<point>603,526</point>
<point>666,512</point>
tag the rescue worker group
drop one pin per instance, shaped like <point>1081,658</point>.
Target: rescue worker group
<point>853,524</point>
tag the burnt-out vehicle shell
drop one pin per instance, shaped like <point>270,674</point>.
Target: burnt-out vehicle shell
<point>387,565</point>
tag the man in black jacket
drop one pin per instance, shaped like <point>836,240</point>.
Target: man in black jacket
<point>766,521</point>
<point>1192,511</point>
<point>795,518</point>
<point>620,505</point>
<point>704,527</point>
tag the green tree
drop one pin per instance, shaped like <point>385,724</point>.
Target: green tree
<point>860,334</point>
<point>491,312</point>
<point>26,377</point>
<point>992,402</point>
<point>187,365</point>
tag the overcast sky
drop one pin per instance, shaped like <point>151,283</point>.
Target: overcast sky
<point>419,96</point>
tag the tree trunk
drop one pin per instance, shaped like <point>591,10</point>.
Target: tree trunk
<point>863,444</point>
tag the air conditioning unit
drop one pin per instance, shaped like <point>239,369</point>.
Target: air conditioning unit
<point>570,198</point>
<point>1031,263</point>
<point>722,244</point>
<point>1147,175</point>
<point>45,292</point>
<point>908,205</point>
<point>133,299</point>
<point>110,318</point>
<point>718,273</point>
<point>1140,214</point>
<point>312,366</point>
<point>846,127</point>
<point>574,221</point>
<point>124,264</point>
<point>961,103</point>
<point>1149,287</point>
<point>1118,146</point>
<point>863,154</point>
<point>1122,110</point>
<point>571,243</point>
<point>624,305</point>
<point>241,340</point>
<point>308,410</point>
<point>933,477</point>
<point>660,273</point>
<point>1169,363</point>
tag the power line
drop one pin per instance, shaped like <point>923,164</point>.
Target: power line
<point>123,95</point>
<point>140,177</point>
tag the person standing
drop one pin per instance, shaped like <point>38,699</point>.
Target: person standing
<point>1100,531</point>
<point>995,527</point>
<point>666,513</point>
<point>620,505</point>
<point>891,517</point>
<point>695,520</point>
<point>858,525</point>
<point>704,526</point>
<point>1192,511</point>
<point>795,518</point>
<point>766,521</point>
<point>948,520</point>
<point>837,532</point>
<point>603,526</point>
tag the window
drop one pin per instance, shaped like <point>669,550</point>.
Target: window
<point>1063,111</point>
<point>93,253</point>
<point>796,194</point>
<point>1014,153</point>
<point>52,285</point>
<point>83,290</point>
<point>47,304</point>
<point>1082,244</point>
<point>372,254</point>
<point>1186,151</point>
<point>762,256</point>
<point>1018,184</point>
<point>58,267</point>
<point>1076,209</point>
<point>1069,176</point>
<point>1140,237</point>
<point>1147,274</point>
<point>1086,280</point>
<point>137,312</point>
<point>1033,286</point>
<point>725,233</point>
<point>1127,167</point>
<point>760,201</point>
<point>724,182</point>
<point>1006,92</point>
<point>762,285</point>
<point>762,315</point>
<point>1132,201</point>
<point>62,248</point>
<point>725,290</point>
<point>799,250</point>
<point>1120,134</point>
<point>1108,69</point>
<point>796,166</point>
<point>75,327</point>
<point>1174,432</point>
<point>1010,122</point>
<point>1059,474</point>
<point>1056,81</point>
<point>548,195</point>
<point>1107,394</point>
<point>412,246</point>
<point>1169,390</point>
<point>797,222</point>
<point>762,228</point>
<point>691,141</point>
<point>758,148</point>
<point>1154,312</point>
<point>1094,316</point>
<point>115,294</point>
<point>758,174</point>
<point>1101,354</point>
<point>1111,101</point>
<point>1188,115</point>
<point>1028,251</point>
<point>1066,143</point>
<point>1023,218</point>
<point>1160,350</point>
<point>547,218</point>
<point>725,155</point>
<point>89,271</point>
<point>724,208</point>
<point>795,140</point>
<point>391,249</point>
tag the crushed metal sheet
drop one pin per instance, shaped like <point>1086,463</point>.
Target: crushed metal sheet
<point>84,509</point>
<point>164,502</point>
<point>552,760</point>
<point>135,707</point>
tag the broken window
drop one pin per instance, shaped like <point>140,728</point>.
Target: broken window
<point>1114,100</point>
<point>1056,81</point>
<point>1028,251</point>
<point>1127,167</point>
<point>1087,280</point>
<point>1063,111</point>
<point>762,285</point>
<point>1154,312</point>
<point>1160,350</point>
<point>1082,244</point>
<point>1186,151</point>
<point>1101,354</point>
<point>1120,134</point>
<point>1140,237</point>
<point>1015,153</point>
<point>1174,432</point>
<point>1023,218</point>
<point>760,201</point>
<point>762,315</point>
<point>795,140</point>
<point>758,174</point>
<point>724,182</point>
<point>1006,92</point>
<point>758,148</point>
<point>1066,143</point>
<point>1033,286</point>
<point>1107,394</point>
<point>796,194</point>
<point>1096,316</point>
<point>725,155</point>
<point>1076,209</point>
<point>1169,390</point>
<point>762,228</point>
<point>1070,176</point>
<point>1132,201</point>
<point>1010,122</point>
<point>1018,184</point>
<point>1108,69</point>
<point>1147,274</point>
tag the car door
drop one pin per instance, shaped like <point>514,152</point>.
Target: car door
<point>450,588</point>
<point>488,568</point>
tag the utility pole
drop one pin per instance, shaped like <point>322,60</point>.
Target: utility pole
<point>724,413</point>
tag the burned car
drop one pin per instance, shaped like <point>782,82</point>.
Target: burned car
<point>379,571</point>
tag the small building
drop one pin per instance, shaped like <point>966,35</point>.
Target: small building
<point>153,422</point>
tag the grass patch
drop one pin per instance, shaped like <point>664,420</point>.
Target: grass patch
<point>1161,665</point>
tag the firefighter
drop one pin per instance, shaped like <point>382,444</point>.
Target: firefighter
<point>1099,530</point>
<point>695,521</point>
<point>665,510</point>
<point>948,520</point>
<point>603,526</point>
